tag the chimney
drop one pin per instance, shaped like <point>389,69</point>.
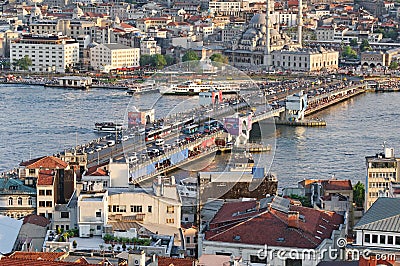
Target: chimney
<point>293,219</point>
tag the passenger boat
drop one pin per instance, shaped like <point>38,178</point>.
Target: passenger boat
<point>73,82</point>
<point>108,127</point>
<point>196,86</point>
<point>146,87</point>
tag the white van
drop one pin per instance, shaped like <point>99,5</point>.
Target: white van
<point>159,142</point>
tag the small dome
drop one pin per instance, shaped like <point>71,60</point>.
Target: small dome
<point>258,19</point>
<point>78,12</point>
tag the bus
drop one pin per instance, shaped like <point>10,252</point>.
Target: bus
<point>211,124</point>
<point>158,133</point>
<point>190,129</point>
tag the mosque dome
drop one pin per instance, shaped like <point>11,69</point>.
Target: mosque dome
<point>258,19</point>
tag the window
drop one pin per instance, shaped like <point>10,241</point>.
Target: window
<point>98,214</point>
<point>374,239</point>
<point>49,204</point>
<point>188,240</point>
<point>29,201</point>
<point>136,208</point>
<point>397,240</point>
<point>257,259</point>
<point>48,193</point>
<point>10,201</point>
<point>170,209</point>
<point>19,201</point>
<point>64,214</point>
<point>32,171</point>
<point>367,238</point>
<point>149,208</point>
<point>105,184</point>
<point>169,221</point>
<point>98,228</point>
<point>390,240</point>
<point>41,192</point>
<point>382,239</point>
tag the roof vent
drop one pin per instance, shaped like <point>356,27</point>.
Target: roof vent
<point>280,239</point>
<point>236,238</point>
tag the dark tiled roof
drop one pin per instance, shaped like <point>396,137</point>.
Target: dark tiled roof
<point>14,186</point>
<point>312,227</point>
<point>166,261</point>
<point>36,219</point>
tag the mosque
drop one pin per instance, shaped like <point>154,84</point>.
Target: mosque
<point>263,45</point>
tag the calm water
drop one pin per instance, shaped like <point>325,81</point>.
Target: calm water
<point>39,121</point>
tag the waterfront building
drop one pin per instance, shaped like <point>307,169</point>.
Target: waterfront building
<point>49,53</point>
<point>108,56</point>
<point>284,227</point>
<point>382,169</point>
<point>46,193</point>
<point>378,229</point>
<point>16,199</point>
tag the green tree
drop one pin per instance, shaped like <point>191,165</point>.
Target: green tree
<point>364,46</point>
<point>394,65</point>
<point>353,42</point>
<point>190,56</point>
<point>348,52</point>
<point>219,58</point>
<point>25,62</point>
<point>170,60</point>
<point>304,200</point>
<point>159,61</point>
<point>146,60</point>
<point>359,194</point>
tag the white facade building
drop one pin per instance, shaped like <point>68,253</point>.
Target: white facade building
<point>105,57</point>
<point>49,53</point>
<point>149,47</point>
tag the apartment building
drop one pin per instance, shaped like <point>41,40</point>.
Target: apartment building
<point>149,47</point>
<point>49,53</point>
<point>382,169</point>
<point>105,57</point>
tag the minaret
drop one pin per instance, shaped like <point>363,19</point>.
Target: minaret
<point>300,23</point>
<point>267,56</point>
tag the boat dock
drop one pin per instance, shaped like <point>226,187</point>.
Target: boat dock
<point>303,123</point>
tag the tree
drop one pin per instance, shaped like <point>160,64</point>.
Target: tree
<point>364,46</point>
<point>359,194</point>
<point>146,60</point>
<point>25,62</point>
<point>169,59</point>
<point>304,200</point>
<point>190,56</point>
<point>353,42</point>
<point>219,58</point>
<point>393,65</point>
<point>348,52</point>
<point>159,61</point>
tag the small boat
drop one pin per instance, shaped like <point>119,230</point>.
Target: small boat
<point>108,127</point>
<point>187,187</point>
<point>146,87</point>
<point>73,82</point>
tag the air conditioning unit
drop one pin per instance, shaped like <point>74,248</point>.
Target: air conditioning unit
<point>136,262</point>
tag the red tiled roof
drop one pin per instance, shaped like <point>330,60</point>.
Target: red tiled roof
<point>36,219</point>
<point>308,231</point>
<point>126,26</point>
<point>26,163</point>
<point>164,261</point>
<point>227,213</point>
<point>98,172</point>
<point>336,185</point>
<point>45,178</point>
<point>6,261</point>
<point>48,162</point>
<point>48,256</point>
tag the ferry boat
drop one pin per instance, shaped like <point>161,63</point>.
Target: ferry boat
<point>73,82</point>
<point>197,86</point>
<point>107,127</point>
<point>146,87</point>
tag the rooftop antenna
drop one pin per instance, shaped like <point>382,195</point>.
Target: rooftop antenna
<point>384,145</point>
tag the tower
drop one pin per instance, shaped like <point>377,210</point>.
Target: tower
<point>268,16</point>
<point>300,23</point>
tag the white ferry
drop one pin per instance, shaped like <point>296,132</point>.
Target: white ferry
<point>196,86</point>
<point>145,87</point>
<point>108,127</point>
